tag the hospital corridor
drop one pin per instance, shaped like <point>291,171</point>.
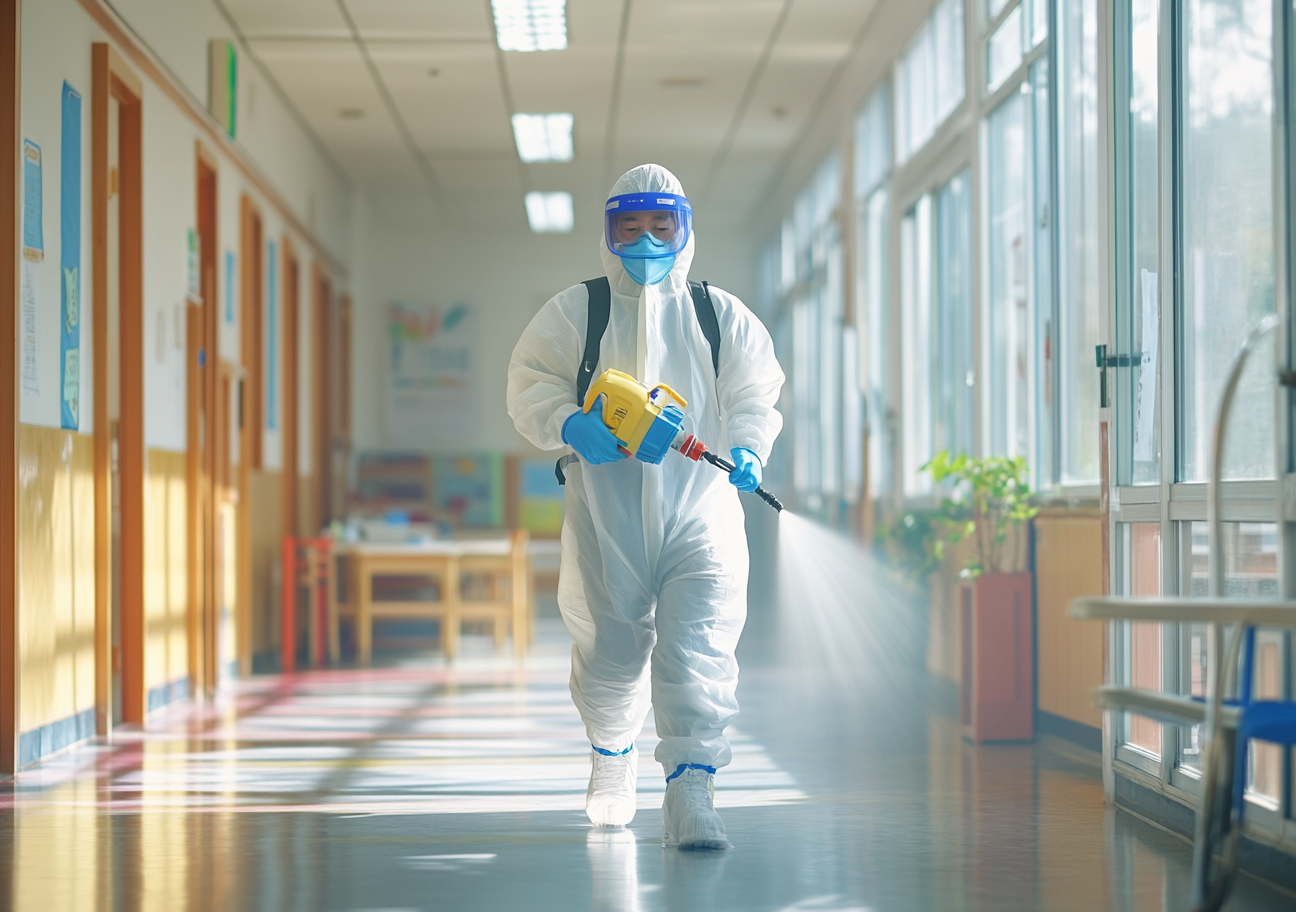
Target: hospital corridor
<point>648,456</point>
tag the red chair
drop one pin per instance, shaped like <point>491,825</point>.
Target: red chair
<point>308,567</point>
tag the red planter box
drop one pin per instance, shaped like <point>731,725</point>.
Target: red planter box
<point>997,699</point>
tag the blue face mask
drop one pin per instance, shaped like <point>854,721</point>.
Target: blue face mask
<point>644,263</point>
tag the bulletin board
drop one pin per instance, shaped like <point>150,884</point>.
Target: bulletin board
<point>431,395</point>
<point>469,488</point>
<point>540,497</point>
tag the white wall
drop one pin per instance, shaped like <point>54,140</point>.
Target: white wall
<point>508,276</point>
<point>57,38</point>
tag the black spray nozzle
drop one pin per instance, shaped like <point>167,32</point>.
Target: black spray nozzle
<point>728,466</point>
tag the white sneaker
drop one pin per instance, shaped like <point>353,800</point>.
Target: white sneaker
<point>610,800</point>
<point>689,819</point>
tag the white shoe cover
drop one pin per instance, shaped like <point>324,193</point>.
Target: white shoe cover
<point>610,800</point>
<point>689,819</point>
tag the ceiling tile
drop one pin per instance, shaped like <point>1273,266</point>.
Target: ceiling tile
<point>459,110</point>
<point>406,20</point>
<point>302,18</point>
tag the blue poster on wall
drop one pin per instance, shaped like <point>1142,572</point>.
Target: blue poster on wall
<point>272,282</point>
<point>70,262</point>
<point>229,286</point>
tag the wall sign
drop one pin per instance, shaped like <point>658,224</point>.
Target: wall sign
<point>431,399</point>
<point>70,262</point>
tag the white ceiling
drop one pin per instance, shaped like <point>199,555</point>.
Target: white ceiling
<point>447,150</point>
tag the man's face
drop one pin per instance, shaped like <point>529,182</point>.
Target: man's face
<point>630,226</point>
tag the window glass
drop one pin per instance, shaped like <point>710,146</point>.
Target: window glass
<point>829,393</point>
<point>1138,391</point>
<point>994,7</point>
<point>872,142</point>
<point>1228,258</point>
<point>852,420</point>
<point>953,407</point>
<point>1009,367</point>
<point>929,77</point>
<point>875,310</point>
<point>805,440</point>
<point>787,255</point>
<point>1140,641</point>
<point>1077,236</point>
<point>915,343</point>
<point>1250,571</point>
<point>1005,49</point>
<point>1038,22</point>
<point>1044,467</point>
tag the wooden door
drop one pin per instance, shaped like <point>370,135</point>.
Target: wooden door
<point>323,397</point>
<point>250,421</point>
<point>291,393</point>
<point>118,346</point>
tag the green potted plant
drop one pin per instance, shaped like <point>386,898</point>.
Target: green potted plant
<point>989,500</point>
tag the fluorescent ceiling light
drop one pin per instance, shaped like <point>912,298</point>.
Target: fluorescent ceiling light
<point>543,137</point>
<point>530,25</point>
<point>549,213</point>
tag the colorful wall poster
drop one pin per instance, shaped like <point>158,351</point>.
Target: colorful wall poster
<point>469,487</point>
<point>431,398</point>
<point>33,249</point>
<point>33,204</point>
<point>540,497</point>
<point>229,286</point>
<point>70,261</point>
<point>30,368</point>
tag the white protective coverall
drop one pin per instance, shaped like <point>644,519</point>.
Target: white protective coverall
<point>654,558</point>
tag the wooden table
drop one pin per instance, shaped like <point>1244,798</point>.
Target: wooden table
<point>447,562</point>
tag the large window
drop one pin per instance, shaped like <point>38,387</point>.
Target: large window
<point>825,421</point>
<point>872,292</point>
<point>1194,227</point>
<point>930,78</point>
<point>955,369</point>
<point>916,343</point>
<point>1077,241</point>
<point>936,328</point>
<point>1137,329</point>
<point>1227,260</point>
<point>1009,325</point>
<point>1021,306</point>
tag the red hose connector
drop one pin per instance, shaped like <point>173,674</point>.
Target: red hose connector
<point>692,448</point>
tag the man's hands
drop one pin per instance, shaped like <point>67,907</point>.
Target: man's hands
<point>586,433</point>
<point>746,475</point>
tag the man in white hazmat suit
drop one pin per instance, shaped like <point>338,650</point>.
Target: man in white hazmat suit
<point>653,580</point>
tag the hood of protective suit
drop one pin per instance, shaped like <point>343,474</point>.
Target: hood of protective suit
<point>646,179</point>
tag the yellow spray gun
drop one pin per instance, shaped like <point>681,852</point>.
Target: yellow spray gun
<point>647,426</point>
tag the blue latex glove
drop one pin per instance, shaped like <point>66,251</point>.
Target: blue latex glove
<point>586,433</point>
<point>746,475</point>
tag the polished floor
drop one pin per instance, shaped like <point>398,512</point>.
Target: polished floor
<point>424,787</point>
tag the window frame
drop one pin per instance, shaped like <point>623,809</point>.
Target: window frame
<point>1175,505</point>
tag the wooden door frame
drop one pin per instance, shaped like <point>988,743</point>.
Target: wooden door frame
<point>251,423</point>
<point>10,277</point>
<point>202,437</point>
<point>112,78</point>
<point>323,389</point>
<point>290,432</point>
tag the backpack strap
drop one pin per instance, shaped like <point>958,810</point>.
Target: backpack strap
<point>600,307</point>
<point>706,317</point>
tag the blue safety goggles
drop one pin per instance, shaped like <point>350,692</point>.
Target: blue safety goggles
<point>648,225</point>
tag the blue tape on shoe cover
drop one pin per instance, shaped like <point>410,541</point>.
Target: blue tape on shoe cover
<point>688,766</point>
<point>612,753</point>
